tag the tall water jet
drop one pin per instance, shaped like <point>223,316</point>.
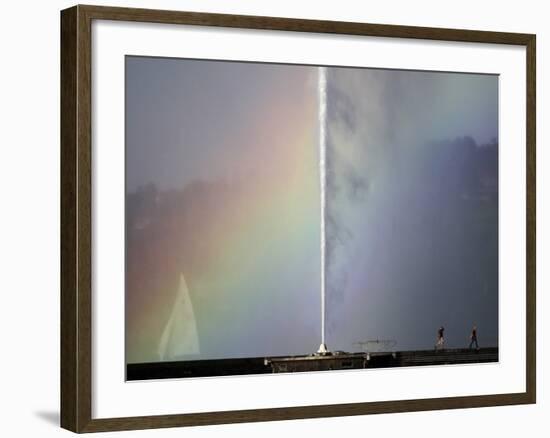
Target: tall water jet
<point>322,95</point>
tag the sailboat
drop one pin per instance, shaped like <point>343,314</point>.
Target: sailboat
<point>180,337</point>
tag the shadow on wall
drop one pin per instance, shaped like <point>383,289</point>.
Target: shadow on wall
<point>50,417</point>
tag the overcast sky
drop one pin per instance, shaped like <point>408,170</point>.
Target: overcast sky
<point>231,150</point>
<point>412,207</point>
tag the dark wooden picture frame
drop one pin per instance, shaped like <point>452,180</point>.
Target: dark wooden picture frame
<point>76,218</point>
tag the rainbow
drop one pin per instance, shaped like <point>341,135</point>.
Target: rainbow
<point>251,254</point>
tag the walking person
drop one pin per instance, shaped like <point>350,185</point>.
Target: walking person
<point>440,338</point>
<point>473,338</point>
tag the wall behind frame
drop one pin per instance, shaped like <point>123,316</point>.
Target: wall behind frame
<point>29,223</point>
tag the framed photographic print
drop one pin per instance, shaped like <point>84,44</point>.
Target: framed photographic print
<point>270,218</point>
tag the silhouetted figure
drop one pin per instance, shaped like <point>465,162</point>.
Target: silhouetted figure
<point>440,338</point>
<point>473,338</point>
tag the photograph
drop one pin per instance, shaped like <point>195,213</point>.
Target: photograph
<point>284,218</point>
<point>271,217</point>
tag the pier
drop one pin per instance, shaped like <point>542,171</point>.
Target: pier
<point>309,363</point>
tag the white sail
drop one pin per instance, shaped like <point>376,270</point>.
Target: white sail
<point>179,337</point>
